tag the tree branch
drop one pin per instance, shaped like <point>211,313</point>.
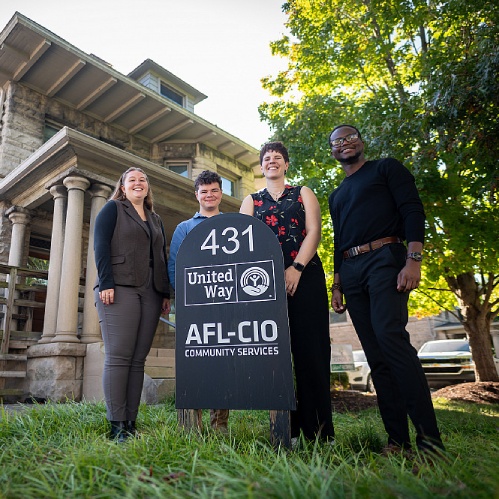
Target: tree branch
<point>392,68</point>
<point>442,306</point>
<point>422,36</point>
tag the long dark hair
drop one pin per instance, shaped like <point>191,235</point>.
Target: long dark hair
<point>119,195</point>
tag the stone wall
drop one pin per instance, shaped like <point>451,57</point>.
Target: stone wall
<point>210,159</point>
<point>22,126</point>
<point>202,158</point>
<point>219,158</point>
<point>167,151</point>
<point>55,371</point>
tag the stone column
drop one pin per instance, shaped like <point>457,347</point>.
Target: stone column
<point>60,195</point>
<point>67,313</point>
<point>20,218</point>
<point>91,330</point>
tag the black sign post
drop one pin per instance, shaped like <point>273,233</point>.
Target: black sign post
<point>232,334</point>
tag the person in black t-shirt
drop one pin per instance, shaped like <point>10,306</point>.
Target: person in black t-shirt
<point>374,210</point>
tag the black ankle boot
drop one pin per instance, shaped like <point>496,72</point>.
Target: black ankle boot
<point>118,431</point>
<point>131,429</point>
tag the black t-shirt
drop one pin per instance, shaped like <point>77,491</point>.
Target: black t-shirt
<point>378,200</point>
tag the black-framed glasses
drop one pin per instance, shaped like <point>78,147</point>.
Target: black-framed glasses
<point>352,137</point>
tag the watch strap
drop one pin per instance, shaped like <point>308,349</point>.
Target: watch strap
<point>416,256</point>
<point>298,266</point>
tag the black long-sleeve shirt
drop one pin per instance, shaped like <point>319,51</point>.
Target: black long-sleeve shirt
<point>378,200</point>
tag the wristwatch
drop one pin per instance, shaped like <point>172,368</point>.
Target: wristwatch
<point>416,256</point>
<point>298,266</point>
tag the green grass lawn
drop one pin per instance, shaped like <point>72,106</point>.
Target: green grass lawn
<point>62,451</point>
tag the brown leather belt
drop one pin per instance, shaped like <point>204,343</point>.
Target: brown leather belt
<point>373,245</point>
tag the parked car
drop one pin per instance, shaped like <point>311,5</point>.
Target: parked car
<point>360,378</point>
<point>446,362</point>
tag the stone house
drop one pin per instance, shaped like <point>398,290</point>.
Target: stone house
<point>70,124</point>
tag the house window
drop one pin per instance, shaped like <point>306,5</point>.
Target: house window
<point>49,130</point>
<point>228,186</point>
<point>171,94</point>
<point>230,182</point>
<point>182,168</point>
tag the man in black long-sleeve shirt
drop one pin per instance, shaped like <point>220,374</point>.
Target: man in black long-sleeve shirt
<point>375,209</point>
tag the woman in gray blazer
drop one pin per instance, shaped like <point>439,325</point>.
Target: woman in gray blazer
<point>131,292</point>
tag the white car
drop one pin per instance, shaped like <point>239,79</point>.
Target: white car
<point>446,362</point>
<point>360,377</point>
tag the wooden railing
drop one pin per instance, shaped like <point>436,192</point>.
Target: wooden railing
<point>18,303</point>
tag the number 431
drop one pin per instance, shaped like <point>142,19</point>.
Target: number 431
<point>231,243</point>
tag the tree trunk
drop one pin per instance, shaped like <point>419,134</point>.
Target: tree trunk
<point>476,322</point>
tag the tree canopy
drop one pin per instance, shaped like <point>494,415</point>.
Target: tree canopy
<point>420,80</point>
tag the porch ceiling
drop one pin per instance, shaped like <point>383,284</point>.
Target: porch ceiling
<point>48,64</point>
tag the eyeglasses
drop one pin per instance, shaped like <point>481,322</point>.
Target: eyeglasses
<point>341,140</point>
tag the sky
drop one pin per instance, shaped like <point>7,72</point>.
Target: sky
<point>220,47</point>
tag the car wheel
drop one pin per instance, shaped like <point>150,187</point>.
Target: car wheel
<point>370,385</point>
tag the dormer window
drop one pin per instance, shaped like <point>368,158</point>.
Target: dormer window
<point>166,84</point>
<point>169,93</point>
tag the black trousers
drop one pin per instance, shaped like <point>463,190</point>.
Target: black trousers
<point>308,312</point>
<point>379,315</point>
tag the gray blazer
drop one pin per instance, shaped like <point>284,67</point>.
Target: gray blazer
<point>134,249</point>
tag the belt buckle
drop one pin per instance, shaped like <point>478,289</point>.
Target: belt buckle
<point>353,251</point>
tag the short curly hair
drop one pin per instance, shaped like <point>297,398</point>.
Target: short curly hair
<point>207,177</point>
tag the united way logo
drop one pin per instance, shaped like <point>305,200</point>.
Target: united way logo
<point>255,281</point>
<point>230,283</point>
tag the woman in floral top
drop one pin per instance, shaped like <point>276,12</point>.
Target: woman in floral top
<point>293,213</point>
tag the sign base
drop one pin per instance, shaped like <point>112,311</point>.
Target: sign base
<point>280,425</point>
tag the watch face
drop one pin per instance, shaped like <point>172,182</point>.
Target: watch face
<point>418,257</point>
<point>298,266</point>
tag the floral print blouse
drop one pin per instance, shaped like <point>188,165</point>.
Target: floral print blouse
<point>286,217</point>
